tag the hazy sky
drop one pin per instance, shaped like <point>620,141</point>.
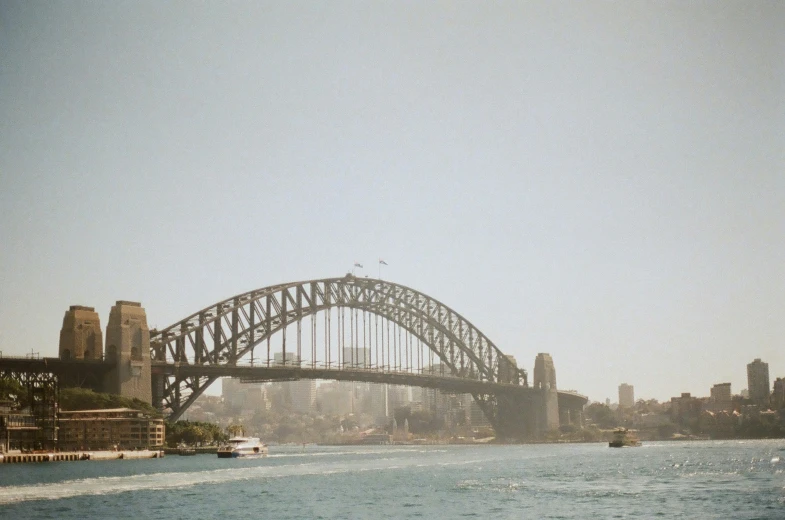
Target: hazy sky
<point>600,181</point>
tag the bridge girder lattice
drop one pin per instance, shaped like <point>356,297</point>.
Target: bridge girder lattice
<point>225,333</point>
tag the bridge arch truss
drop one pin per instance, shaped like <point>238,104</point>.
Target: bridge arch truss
<point>228,333</point>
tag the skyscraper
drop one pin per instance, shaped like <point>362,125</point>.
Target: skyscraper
<point>356,357</point>
<point>626,395</point>
<point>303,394</point>
<point>758,382</point>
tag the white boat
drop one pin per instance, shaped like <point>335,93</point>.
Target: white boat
<point>242,447</point>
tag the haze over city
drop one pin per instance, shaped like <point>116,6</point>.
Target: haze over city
<point>602,182</point>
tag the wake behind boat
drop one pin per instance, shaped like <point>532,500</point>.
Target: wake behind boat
<point>242,447</point>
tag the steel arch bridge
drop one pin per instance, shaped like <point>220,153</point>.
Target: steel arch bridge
<point>222,340</point>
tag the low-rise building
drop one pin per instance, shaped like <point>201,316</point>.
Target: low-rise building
<point>120,428</point>
<point>18,430</point>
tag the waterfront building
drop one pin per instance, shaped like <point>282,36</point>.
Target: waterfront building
<point>758,382</point>
<point>778,394</point>
<point>18,430</point>
<point>686,409</point>
<point>721,399</point>
<point>626,396</point>
<point>116,428</point>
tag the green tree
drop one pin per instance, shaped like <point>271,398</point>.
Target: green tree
<point>193,432</point>
<point>84,399</point>
<point>13,390</point>
<point>601,415</point>
<point>235,430</point>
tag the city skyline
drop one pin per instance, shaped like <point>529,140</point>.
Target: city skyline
<point>601,182</point>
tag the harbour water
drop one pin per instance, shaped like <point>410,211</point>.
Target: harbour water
<point>708,479</point>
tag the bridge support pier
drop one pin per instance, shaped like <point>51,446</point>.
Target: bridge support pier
<point>128,347</point>
<point>527,417</point>
<point>157,383</point>
<point>516,418</point>
<point>81,339</point>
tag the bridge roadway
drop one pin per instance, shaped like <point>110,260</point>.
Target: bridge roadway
<point>97,368</point>
<point>250,373</point>
<point>56,366</point>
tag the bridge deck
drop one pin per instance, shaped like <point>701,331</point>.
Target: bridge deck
<point>53,365</point>
<point>283,373</point>
<point>292,373</point>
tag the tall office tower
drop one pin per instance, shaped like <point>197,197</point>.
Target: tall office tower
<point>303,394</point>
<point>233,392</point>
<point>397,396</point>
<point>778,394</point>
<point>378,406</point>
<point>356,357</point>
<point>291,359</point>
<point>758,382</point>
<point>626,395</point>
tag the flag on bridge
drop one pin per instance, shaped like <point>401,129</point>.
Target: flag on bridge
<point>382,262</point>
<point>356,264</point>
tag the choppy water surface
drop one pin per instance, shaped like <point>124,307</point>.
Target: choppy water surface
<point>729,479</point>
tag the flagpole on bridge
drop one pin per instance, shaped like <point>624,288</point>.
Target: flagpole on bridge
<point>381,263</point>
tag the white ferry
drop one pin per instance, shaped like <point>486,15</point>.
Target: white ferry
<point>242,447</point>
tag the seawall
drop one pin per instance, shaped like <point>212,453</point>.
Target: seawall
<point>62,456</point>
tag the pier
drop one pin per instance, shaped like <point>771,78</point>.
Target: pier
<point>19,457</point>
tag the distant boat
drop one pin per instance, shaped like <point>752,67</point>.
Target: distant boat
<point>242,447</point>
<point>623,438</point>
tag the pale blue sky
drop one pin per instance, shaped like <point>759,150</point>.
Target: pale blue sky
<point>601,181</point>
